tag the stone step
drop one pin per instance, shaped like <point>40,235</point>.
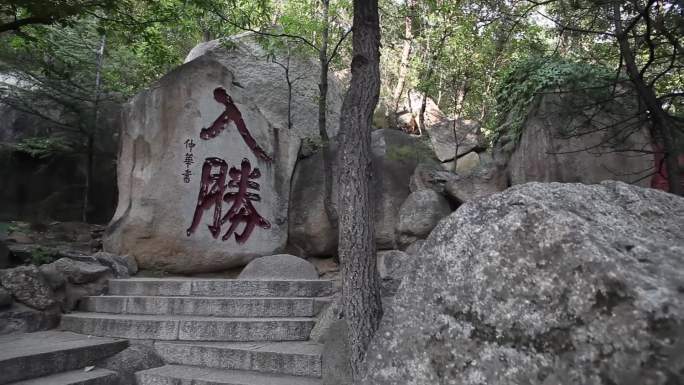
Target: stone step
<point>202,306</point>
<point>291,358</point>
<point>192,375</point>
<point>219,287</point>
<point>188,328</point>
<point>76,377</point>
<point>31,355</point>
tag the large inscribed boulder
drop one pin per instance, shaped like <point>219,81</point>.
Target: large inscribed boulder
<point>204,175</point>
<point>259,75</point>
<point>543,284</point>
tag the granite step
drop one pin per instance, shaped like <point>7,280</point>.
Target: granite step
<point>192,375</point>
<point>30,355</point>
<point>289,358</point>
<point>202,306</point>
<point>76,377</point>
<point>188,328</point>
<point>176,287</point>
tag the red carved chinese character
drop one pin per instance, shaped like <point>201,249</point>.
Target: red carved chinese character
<point>211,193</point>
<point>232,114</point>
<point>212,186</point>
<point>242,209</point>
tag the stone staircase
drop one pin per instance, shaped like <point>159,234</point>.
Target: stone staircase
<point>56,358</point>
<point>213,331</point>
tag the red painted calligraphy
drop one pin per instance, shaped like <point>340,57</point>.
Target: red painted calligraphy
<point>242,210</point>
<point>232,114</point>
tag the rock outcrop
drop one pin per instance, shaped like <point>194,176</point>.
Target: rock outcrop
<point>279,267</point>
<point>266,84</point>
<point>564,142</point>
<point>204,172</point>
<point>395,156</point>
<point>419,214</point>
<point>543,284</point>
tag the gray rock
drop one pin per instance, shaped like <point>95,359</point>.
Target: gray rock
<point>480,183</point>
<point>395,156</point>
<point>5,298</point>
<point>53,276</point>
<point>392,266</point>
<point>543,284</point>
<point>133,359</point>
<point>419,214</point>
<point>74,293</point>
<point>123,266</point>
<point>310,232</point>
<point>466,164</point>
<point>19,318</point>
<point>28,286</point>
<point>81,272</point>
<point>564,141</point>
<point>430,176</point>
<point>247,61</point>
<point>164,123</point>
<point>336,355</point>
<point>325,320</point>
<point>281,266</point>
<point>414,248</point>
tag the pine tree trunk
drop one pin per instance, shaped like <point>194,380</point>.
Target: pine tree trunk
<point>328,203</point>
<point>662,123</point>
<point>361,287</point>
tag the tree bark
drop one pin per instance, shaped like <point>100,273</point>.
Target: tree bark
<point>404,63</point>
<point>360,285</point>
<point>328,203</point>
<point>662,123</point>
<point>90,146</point>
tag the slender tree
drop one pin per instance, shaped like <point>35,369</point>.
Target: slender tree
<point>361,288</point>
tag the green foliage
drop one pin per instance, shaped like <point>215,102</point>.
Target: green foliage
<point>522,82</point>
<point>40,256</point>
<point>43,147</point>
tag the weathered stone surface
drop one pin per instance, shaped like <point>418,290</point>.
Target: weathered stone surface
<point>419,214</point>
<point>395,156</point>
<point>29,356</point>
<point>466,164</point>
<point>123,266</point>
<point>543,284</point>
<point>429,176</point>
<point>154,217</point>
<point>336,355</point>
<point>52,275</point>
<point>482,182</point>
<point>133,359</point>
<point>281,266</point>
<point>28,286</point>
<point>392,266</point>
<point>5,298</point>
<point>81,272</point>
<point>310,231</point>
<point>265,83</point>
<point>414,248</point>
<point>19,318</point>
<point>563,143</point>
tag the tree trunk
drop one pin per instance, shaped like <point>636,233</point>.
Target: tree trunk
<point>90,154</point>
<point>328,203</point>
<point>404,63</point>
<point>662,123</point>
<point>360,285</point>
